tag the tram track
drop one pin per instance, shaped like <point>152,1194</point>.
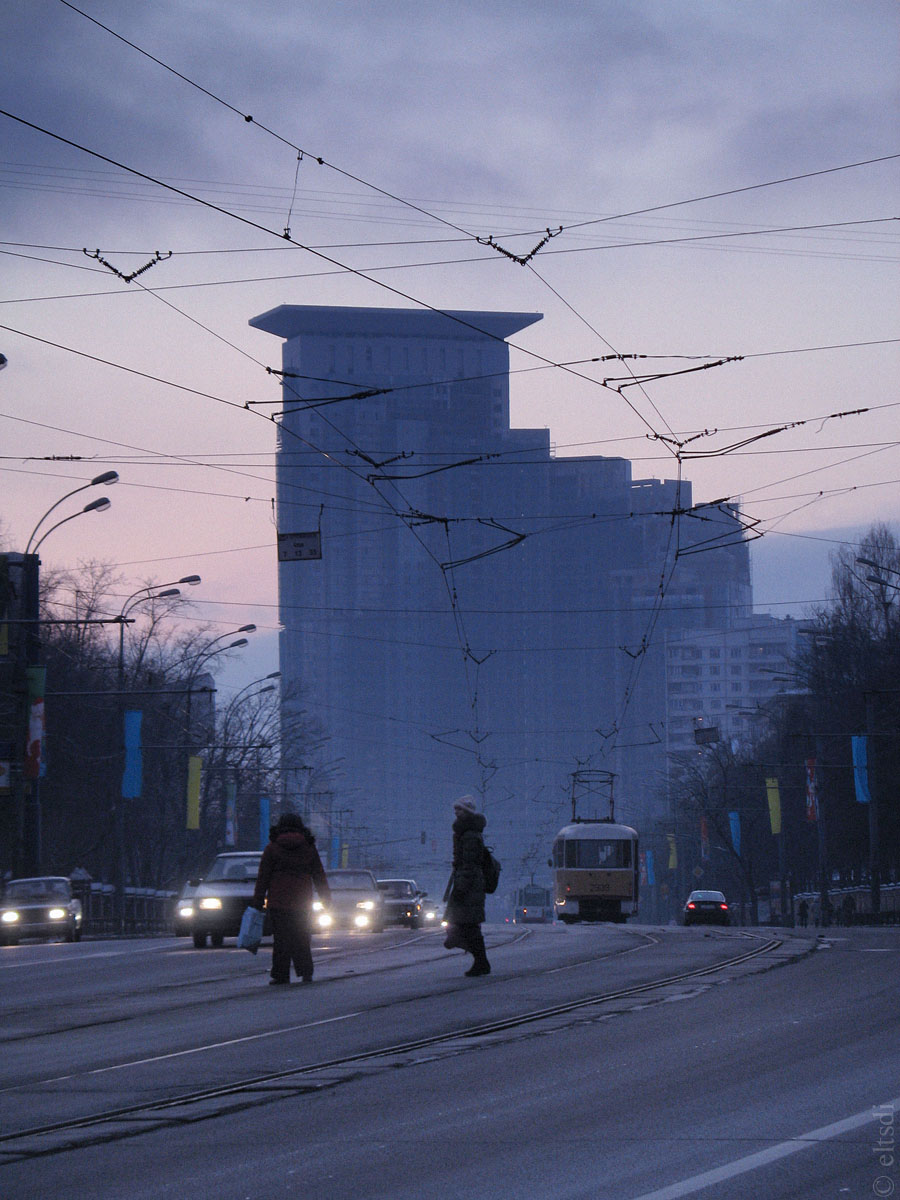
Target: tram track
<point>208,1103</point>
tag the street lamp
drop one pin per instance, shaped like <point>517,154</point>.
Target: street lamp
<point>236,701</point>
<point>108,478</point>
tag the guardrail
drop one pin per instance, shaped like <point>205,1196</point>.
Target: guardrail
<point>146,910</point>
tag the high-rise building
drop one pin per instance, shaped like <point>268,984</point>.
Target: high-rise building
<point>485,617</point>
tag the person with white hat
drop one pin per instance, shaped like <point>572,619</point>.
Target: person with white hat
<point>465,890</point>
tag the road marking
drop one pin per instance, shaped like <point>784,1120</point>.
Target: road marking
<point>142,1062</point>
<point>762,1158</point>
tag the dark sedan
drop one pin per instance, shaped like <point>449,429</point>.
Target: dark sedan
<point>40,907</point>
<point>706,908</point>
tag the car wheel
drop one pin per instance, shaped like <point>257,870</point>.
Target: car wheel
<point>200,941</point>
<point>217,939</point>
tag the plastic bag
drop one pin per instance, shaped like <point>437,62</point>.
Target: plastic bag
<point>251,930</point>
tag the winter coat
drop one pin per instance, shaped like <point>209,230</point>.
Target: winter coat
<point>289,867</point>
<point>466,903</point>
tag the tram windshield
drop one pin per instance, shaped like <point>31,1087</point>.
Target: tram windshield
<point>592,852</point>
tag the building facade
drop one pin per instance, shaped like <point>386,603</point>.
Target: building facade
<point>485,617</point>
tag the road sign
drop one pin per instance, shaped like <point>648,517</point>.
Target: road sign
<point>295,546</point>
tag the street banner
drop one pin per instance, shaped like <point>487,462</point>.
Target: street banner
<point>774,796</point>
<point>132,772</point>
<point>812,795</point>
<point>704,840</point>
<point>861,769</point>
<point>231,813</point>
<point>651,876</point>
<point>195,767</point>
<point>734,820</point>
<point>673,852</point>
<point>264,821</point>
<point>35,679</point>
<point>642,863</point>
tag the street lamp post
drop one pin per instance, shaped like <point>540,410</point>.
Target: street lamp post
<point>236,701</point>
<point>153,591</point>
<point>29,856</point>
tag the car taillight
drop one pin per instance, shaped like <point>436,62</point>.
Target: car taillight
<point>691,904</point>
<point>724,907</point>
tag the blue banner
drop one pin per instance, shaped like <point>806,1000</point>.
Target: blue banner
<point>133,771</point>
<point>264,822</point>
<point>334,858</point>
<point>651,878</point>
<point>861,769</point>
<point>734,819</point>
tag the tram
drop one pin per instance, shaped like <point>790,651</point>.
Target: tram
<point>595,871</point>
<point>534,905</point>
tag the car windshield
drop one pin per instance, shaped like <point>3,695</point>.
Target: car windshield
<point>351,881</point>
<point>396,889</point>
<point>717,896</point>
<point>38,889</point>
<point>237,869</point>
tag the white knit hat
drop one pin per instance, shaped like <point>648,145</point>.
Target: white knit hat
<point>465,804</point>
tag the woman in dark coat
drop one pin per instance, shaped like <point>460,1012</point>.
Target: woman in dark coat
<point>289,867</point>
<point>465,891</point>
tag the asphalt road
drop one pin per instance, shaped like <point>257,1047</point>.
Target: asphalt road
<point>596,1062</point>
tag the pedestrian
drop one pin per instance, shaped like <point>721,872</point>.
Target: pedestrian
<point>289,867</point>
<point>803,913</point>
<point>465,889</point>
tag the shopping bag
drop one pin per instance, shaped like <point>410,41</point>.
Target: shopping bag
<point>251,930</point>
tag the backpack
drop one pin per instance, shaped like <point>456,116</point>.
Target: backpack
<point>490,869</point>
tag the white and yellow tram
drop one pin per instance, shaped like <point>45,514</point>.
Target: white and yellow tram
<point>595,871</point>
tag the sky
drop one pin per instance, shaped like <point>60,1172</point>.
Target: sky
<point>377,153</point>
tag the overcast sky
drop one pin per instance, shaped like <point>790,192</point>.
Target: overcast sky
<point>438,124</point>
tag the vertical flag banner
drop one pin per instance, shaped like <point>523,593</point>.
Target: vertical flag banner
<point>642,864</point>
<point>774,795</point>
<point>195,767</point>
<point>734,820</point>
<point>673,852</point>
<point>132,772</point>
<point>651,877</point>
<point>861,769</point>
<point>704,840</point>
<point>231,813</point>
<point>264,821</point>
<point>812,795</point>
<point>36,678</point>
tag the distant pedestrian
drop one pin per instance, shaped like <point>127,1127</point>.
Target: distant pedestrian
<point>465,891</point>
<point>289,867</point>
<point>803,913</point>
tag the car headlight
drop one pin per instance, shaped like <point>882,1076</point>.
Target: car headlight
<point>430,916</point>
<point>365,905</point>
<point>210,902</point>
<point>9,917</point>
<point>325,921</point>
<point>186,910</point>
<point>361,920</point>
<point>57,914</point>
<point>318,906</point>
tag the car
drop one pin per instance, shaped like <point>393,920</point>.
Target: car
<point>706,908</point>
<point>184,910</point>
<point>356,902</point>
<point>402,902</point>
<point>432,912</point>
<point>221,897</point>
<point>40,907</point>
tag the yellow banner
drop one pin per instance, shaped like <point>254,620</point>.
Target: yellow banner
<point>772,791</point>
<point>195,767</point>
<point>673,852</point>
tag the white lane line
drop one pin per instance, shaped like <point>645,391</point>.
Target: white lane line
<point>141,1062</point>
<point>762,1158</point>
